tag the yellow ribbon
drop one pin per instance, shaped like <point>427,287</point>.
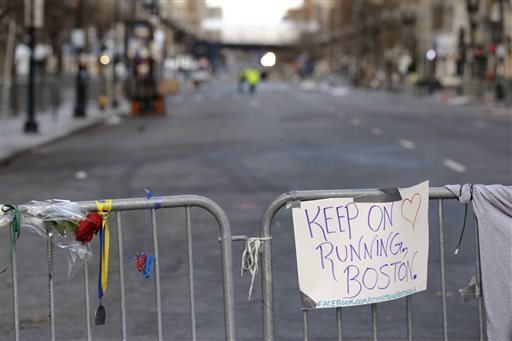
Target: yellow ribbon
<point>103,208</point>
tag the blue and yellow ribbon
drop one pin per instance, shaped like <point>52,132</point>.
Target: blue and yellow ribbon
<point>103,208</point>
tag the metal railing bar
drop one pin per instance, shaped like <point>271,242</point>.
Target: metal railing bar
<point>479,283</point>
<point>121,273</point>
<point>15,294</point>
<point>265,233</point>
<point>267,297</point>
<point>195,200</point>
<point>374,321</point>
<point>157,275</point>
<point>130,204</point>
<point>191,275</point>
<point>408,309</point>
<point>51,302</point>
<point>87,307</point>
<point>238,238</point>
<point>443,279</point>
<point>227,262</point>
<point>339,336</point>
<point>434,193</point>
<point>305,322</point>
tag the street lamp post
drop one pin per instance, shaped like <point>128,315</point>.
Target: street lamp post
<point>31,124</point>
<point>33,19</point>
<point>81,76</point>
<point>472,9</point>
<point>115,57</point>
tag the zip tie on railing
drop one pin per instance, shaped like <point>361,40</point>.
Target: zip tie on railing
<point>457,248</point>
<point>250,258</point>
<point>293,202</point>
<point>158,200</point>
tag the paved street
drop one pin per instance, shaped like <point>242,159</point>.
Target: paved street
<point>242,151</point>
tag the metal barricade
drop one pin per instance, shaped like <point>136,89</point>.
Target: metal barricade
<point>152,204</point>
<point>440,194</point>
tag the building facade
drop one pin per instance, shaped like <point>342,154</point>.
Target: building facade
<point>459,44</point>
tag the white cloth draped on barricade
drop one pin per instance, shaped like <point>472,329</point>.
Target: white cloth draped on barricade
<point>492,206</point>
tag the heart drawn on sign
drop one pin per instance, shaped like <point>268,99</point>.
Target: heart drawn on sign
<point>410,208</point>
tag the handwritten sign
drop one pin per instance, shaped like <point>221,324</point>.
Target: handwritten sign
<point>353,253</point>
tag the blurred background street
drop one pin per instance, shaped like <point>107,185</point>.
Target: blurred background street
<point>240,103</point>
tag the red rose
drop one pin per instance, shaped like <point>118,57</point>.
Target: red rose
<point>88,227</point>
<point>97,220</point>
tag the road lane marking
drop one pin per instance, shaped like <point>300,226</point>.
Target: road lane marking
<point>355,122</point>
<point>455,166</point>
<point>407,144</point>
<point>81,175</point>
<point>308,86</point>
<point>339,92</point>
<point>377,131</point>
<point>480,124</point>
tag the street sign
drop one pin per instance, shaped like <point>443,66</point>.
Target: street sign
<point>351,252</point>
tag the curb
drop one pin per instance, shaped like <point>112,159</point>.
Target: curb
<point>77,125</point>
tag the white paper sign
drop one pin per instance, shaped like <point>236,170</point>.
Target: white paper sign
<point>353,253</point>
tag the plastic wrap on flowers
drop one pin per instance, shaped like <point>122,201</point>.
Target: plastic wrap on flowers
<point>61,218</point>
<point>78,252</point>
<point>5,216</point>
<point>43,216</point>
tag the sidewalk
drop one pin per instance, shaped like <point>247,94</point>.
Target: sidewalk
<point>488,106</point>
<point>52,126</point>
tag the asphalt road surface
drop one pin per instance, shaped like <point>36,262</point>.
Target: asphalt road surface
<point>242,151</point>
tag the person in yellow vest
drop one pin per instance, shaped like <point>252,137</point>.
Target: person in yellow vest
<point>252,77</point>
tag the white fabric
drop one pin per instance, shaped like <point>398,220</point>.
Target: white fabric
<point>492,206</point>
<point>250,259</point>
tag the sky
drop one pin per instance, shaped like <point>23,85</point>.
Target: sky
<point>255,21</point>
<point>253,12</point>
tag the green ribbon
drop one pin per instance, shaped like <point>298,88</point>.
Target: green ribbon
<point>15,230</point>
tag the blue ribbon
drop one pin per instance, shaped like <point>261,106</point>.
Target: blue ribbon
<point>148,266</point>
<point>100,288</point>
